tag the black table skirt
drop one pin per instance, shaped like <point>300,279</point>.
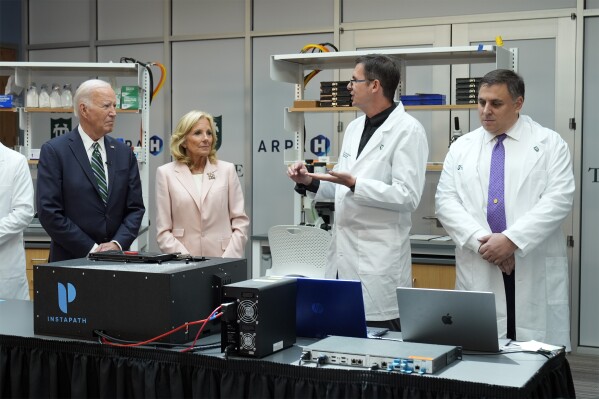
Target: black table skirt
<point>38,368</point>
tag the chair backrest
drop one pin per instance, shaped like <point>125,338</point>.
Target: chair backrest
<point>298,250</point>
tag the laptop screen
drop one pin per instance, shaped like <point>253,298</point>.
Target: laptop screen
<point>449,317</point>
<point>329,307</point>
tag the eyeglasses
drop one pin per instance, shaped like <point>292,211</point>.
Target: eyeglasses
<point>352,82</point>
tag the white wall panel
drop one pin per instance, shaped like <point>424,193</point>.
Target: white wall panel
<point>589,265</point>
<point>125,19</point>
<point>56,21</point>
<point>292,14</point>
<point>193,17</point>
<point>592,4</point>
<point>380,10</point>
<point>75,54</point>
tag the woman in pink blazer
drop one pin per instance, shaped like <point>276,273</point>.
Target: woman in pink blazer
<point>199,202</point>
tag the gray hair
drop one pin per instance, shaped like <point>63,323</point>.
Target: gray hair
<point>84,93</point>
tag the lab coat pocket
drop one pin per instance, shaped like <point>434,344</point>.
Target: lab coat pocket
<point>471,269</point>
<point>537,184</point>
<point>178,232</point>
<point>377,170</point>
<point>557,280</point>
<point>468,193</point>
<point>5,200</point>
<point>377,252</point>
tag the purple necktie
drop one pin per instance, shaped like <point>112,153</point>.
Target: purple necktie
<point>495,204</point>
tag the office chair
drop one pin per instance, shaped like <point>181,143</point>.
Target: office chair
<point>298,251</point>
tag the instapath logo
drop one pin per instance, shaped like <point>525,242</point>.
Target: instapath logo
<point>66,295</point>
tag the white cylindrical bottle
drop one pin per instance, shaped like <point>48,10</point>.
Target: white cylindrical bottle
<point>55,96</point>
<point>44,97</point>
<point>32,99</point>
<point>66,97</point>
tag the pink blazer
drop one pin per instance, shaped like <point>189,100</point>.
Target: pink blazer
<point>212,223</point>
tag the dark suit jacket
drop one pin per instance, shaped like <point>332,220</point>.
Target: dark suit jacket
<point>69,205</point>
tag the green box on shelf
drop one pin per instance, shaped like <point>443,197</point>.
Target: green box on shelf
<point>129,97</point>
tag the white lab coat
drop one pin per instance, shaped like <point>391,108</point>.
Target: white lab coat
<point>16,212</point>
<point>371,231</point>
<point>538,199</point>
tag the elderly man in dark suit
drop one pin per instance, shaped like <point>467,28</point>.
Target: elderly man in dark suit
<point>88,186</point>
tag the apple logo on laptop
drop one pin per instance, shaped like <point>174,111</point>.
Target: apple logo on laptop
<point>446,319</point>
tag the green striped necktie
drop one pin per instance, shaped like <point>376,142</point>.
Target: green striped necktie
<point>98,168</point>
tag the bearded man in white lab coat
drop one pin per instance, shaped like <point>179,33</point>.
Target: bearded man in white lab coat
<point>525,263</point>
<point>16,212</point>
<point>376,185</point>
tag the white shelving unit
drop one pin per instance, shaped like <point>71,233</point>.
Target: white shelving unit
<point>291,68</point>
<point>27,72</point>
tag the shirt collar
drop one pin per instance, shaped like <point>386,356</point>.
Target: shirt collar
<point>381,117</point>
<point>88,142</point>
<point>513,132</point>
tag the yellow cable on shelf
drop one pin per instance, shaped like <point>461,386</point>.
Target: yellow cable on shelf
<point>162,77</point>
<point>307,47</point>
<point>315,46</point>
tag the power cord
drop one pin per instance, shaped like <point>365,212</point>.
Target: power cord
<point>374,367</point>
<point>305,356</point>
<point>145,65</point>
<point>321,360</point>
<point>107,340</point>
<point>543,352</point>
<point>321,48</point>
<point>228,350</point>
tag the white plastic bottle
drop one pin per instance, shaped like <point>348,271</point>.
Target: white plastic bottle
<point>44,97</point>
<point>66,97</point>
<point>32,99</point>
<point>55,101</point>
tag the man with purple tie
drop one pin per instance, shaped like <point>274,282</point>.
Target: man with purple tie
<point>503,195</point>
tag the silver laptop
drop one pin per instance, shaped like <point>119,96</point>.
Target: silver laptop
<point>449,317</point>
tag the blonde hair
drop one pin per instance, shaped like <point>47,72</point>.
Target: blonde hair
<point>184,126</point>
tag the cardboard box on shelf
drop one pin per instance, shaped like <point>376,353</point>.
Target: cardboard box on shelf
<point>130,97</point>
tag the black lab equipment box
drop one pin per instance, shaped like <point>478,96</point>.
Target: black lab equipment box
<point>130,301</point>
<point>263,320</point>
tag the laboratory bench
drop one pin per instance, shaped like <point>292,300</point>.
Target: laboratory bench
<point>42,366</point>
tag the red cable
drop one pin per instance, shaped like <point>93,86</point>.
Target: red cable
<point>202,328</point>
<point>204,321</point>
